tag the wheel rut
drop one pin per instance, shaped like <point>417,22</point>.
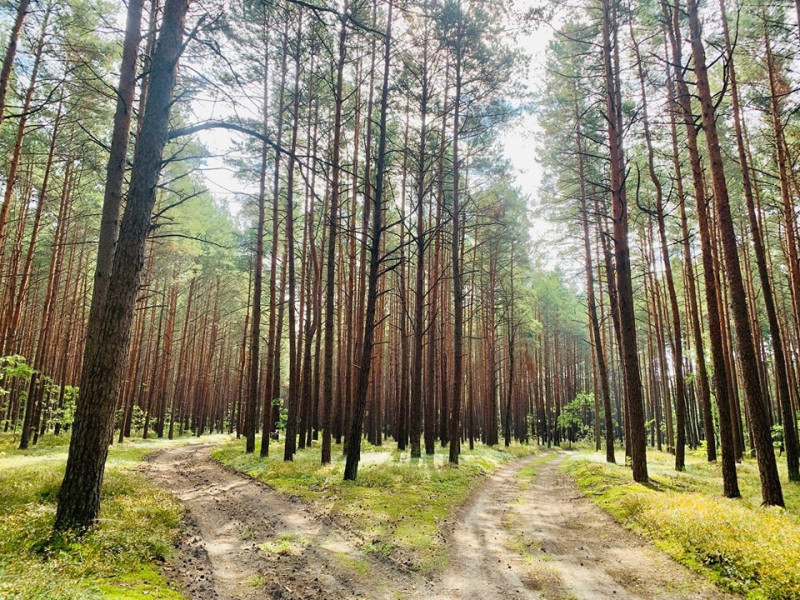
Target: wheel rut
<point>573,549</point>
<point>244,541</point>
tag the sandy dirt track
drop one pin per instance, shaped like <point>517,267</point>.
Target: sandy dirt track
<point>514,539</point>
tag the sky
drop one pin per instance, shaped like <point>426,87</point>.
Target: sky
<point>520,139</point>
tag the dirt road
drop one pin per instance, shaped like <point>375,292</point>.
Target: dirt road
<point>572,549</point>
<point>246,541</point>
<point>515,539</point>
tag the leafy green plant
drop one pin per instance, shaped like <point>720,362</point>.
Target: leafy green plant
<point>286,543</point>
<point>777,437</point>
<point>573,416</point>
<point>13,367</point>
<point>283,412</point>
<point>137,418</point>
<point>65,414</point>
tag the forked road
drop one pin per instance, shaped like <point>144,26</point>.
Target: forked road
<point>514,539</point>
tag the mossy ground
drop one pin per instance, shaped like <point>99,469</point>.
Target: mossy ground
<point>749,549</point>
<point>398,506</point>
<point>118,559</point>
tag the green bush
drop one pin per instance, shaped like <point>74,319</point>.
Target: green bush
<point>753,551</point>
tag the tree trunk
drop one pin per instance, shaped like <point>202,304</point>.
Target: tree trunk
<point>11,50</point>
<point>290,443</point>
<point>11,178</point>
<point>458,292</point>
<point>677,345</point>
<point>362,385</point>
<point>28,423</point>
<point>419,291</point>
<point>682,97</point>
<point>784,395</point>
<point>770,482</point>
<point>599,351</point>
<point>79,497</point>
<point>333,225</point>
<point>115,170</point>
<point>622,252</point>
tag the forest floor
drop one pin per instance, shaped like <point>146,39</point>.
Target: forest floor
<point>119,559</point>
<point>514,523</point>
<point>244,540</point>
<point>572,549</point>
<point>526,532</point>
<point>749,549</point>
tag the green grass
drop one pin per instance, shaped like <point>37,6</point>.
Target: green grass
<point>528,473</point>
<point>748,549</point>
<point>118,559</point>
<point>397,507</point>
<point>286,543</point>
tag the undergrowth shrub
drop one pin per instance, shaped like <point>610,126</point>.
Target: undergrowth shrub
<point>756,551</point>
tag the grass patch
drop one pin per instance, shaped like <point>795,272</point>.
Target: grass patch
<point>118,559</point>
<point>286,543</point>
<point>749,549</point>
<point>357,565</point>
<point>529,471</point>
<point>398,505</point>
